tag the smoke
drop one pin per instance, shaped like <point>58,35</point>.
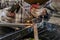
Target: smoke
<point>56,3</point>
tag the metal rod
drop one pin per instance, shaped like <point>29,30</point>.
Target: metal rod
<point>35,32</point>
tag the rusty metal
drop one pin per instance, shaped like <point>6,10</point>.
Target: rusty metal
<point>35,32</point>
<point>34,1</point>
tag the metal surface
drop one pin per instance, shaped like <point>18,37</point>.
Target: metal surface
<point>21,34</point>
<point>14,35</point>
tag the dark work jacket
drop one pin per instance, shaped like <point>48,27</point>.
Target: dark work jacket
<point>15,7</point>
